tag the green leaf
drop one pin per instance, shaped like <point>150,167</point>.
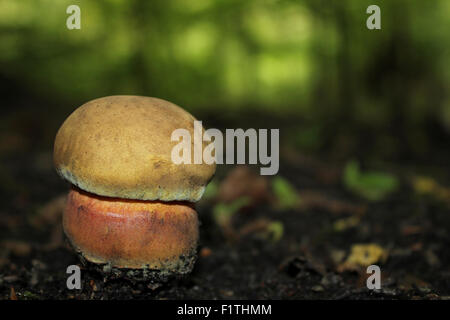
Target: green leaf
<point>276,230</point>
<point>223,212</point>
<point>285,193</point>
<point>211,190</point>
<point>373,186</point>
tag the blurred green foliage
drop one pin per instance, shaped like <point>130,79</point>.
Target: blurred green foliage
<point>211,190</point>
<point>373,186</point>
<point>223,212</point>
<point>312,58</point>
<point>285,193</point>
<point>275,230</point>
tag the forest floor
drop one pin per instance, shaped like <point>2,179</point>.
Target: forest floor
<point>268,248</point>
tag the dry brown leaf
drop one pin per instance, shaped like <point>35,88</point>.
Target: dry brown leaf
<point>243,182</point>
<point>409,282</point>
<point>205,252</point>
<point>323,172</point>
<point>93,285</point>
<point>12,294</point>
<point>12,142</point>
<point>418,246</point>
<point>411,230</point>
<point>317,200</point>
<point>432,259</point>
<point>50,213</point>
<point>16,247</point>
<point>254,226</point>
<point>10,221</point>
<point>56,239</point>
<point>268,229</point>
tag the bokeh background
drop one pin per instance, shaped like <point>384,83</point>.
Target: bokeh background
<point>364,119</point>
<point>310,65</point>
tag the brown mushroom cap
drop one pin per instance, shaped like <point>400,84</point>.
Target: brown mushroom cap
<point>120,146</point>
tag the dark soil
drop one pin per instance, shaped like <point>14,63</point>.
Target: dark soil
<point>307,262</point>
<point>412,228</point>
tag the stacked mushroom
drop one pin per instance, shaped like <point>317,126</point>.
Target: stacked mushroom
<point>130,206</point>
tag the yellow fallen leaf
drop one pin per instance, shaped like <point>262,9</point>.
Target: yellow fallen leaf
<point>424,185</point>
<point>363,255</point>
<point>346,223</point>
<point>428,186</point>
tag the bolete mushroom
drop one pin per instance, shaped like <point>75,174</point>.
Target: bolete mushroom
<point>130,207</point>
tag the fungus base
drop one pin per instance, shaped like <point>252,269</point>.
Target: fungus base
<point>141,239</point>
